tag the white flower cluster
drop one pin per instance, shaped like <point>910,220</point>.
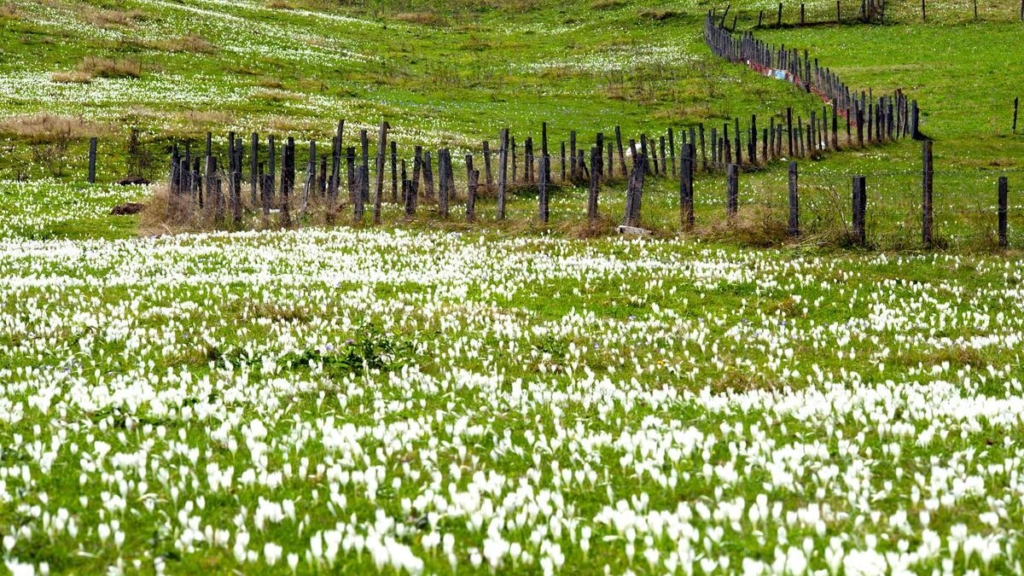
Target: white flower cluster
<point>431,402</point>
<point>30,208</point>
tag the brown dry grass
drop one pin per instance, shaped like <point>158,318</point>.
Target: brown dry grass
<point>756,226</point>
<point>9,11</point>
<point>659,15</point>
<point>109,68</point>
<point>274,95</point>
<point>424,18</point>
<point>73,77</point>
<point>279,5</point>
<point>46,127</point>
<point>190,43</point>
<point>607,4</point>
<point>112,18</point>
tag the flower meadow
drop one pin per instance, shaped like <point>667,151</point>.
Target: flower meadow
<point>418,402</point>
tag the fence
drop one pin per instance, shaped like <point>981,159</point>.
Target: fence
<point>865,209</point>
<point>884,119</point>
<point>828,12</point>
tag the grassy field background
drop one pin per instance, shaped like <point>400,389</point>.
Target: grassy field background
<point>455,74</point>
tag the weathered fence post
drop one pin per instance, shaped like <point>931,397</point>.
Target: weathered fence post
<point>592,199</point>
<point>488,179</point>
<point>92,159</point>
<point>634,191</point>
<point>622,154</point>
<point>562,164</point>
<point>542,188</point>
<point>382,146</point>
<point>779,23</point>
<point>502,172</point>
<point>471,196</point>
<point>394,171</point>
<point>733,192</point>
<point>254,147</point>
<point>1003,189</point>
<point>686,169</point>
<point>794,201</point>
<point>362,184</point>
<point>443,192</point>
<point>859,209</point>
<point>926,197</point>
<point>428,174</point>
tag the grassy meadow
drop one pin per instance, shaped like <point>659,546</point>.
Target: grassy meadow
<point>431,396</point>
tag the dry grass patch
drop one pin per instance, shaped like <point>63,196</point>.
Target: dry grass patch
<point>191,44</point>
<point>756,226</point>
<point>607,4</point>
<point>273,95</point>
<point>94,67</point>
<point>423,18</point>
<point>279,5</point>
<point>112,18</point>
<point>9,11</point>
<point>73,77</point>
<point>660,15</point>
<point>46,127</point>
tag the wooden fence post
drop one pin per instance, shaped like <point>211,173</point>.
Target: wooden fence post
<point>686,169</point>
<point>671,152</point>
<point>543,207</point>
<point>488,178</point>
<point>915,116</point>
<point>382,146</point>
<point>394,171</point>
<point>574,170</point>
<point>859,209</point>
<point>474,176</point>
<point>1003,189</point>
<point>562,164</point>
<point>502,172</point>
<point>622,154</point>
<point>794,201</point>
<point>733,192</point>
<point>1016,101</point>
<point>634,191</point>
<point>926,197</point>
<point>779,23</point>
<point>443,192</point>
<point>92,158</point>
<point>592,199</point>
<point>254,154</point>
<point>428,175</point>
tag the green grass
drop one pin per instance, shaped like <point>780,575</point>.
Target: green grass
<point>499,382</point>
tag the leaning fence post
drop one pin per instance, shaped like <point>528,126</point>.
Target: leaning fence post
<point>732,195</point>
<point>926,197</point>
<point>794,201</point>
<point>92,159</point>
<point>1003,187</point>
<point>859,209</point>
